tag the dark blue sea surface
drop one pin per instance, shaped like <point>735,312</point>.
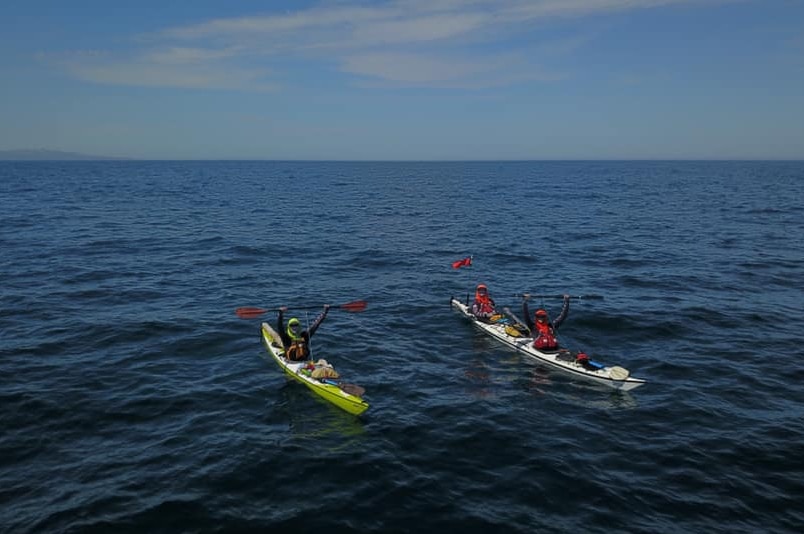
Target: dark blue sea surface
<point>135,400</point>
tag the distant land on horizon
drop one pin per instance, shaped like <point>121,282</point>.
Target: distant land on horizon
<point>42,154</point>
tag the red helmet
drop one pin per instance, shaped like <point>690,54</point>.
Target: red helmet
<point>540,313</point>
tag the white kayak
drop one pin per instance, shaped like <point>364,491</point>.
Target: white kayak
<point>615,377</point>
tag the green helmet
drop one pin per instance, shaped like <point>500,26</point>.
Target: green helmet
<point>294,329</point>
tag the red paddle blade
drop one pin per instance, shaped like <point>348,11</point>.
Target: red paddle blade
<point>462,263</point>
<point>249,312</point>
<point>356,306</point>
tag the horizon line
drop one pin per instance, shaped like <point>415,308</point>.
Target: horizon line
<point>115,159</point>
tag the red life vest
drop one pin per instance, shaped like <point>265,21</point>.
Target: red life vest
<point>482,300</point>
<point>485,306</point>
<point>545,337</point>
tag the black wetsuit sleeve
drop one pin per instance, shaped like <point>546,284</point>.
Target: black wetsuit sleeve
<point>280,329</point>
<point>316,324</point>
<point>526,314</point>
<point>563,314</point>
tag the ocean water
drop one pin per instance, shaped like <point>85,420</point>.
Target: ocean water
<point>134,400</point>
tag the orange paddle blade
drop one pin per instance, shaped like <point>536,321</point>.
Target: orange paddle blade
<point>249,312</point>
<point>356,306</point>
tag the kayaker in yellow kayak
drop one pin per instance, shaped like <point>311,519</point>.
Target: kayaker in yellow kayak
<point>295,339</point>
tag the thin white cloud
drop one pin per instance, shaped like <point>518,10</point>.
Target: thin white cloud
<point>309,19</point>
<point>426,43</point>
<point>411,68</point>
<point>416,20</point>
<point>155,71</point>
<point>185,55</point>
<point>418,30</point>
<point>421,70</point>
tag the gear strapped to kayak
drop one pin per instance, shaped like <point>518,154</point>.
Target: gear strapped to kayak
<point>517,330</point>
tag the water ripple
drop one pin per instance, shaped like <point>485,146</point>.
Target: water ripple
<point>135,400</point>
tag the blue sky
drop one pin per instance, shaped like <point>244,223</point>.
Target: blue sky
<point>405,79</point>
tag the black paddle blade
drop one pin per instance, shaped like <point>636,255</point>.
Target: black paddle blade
<point>353,389</point>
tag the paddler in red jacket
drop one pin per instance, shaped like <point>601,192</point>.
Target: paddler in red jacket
<point>544,331</point>
<point>483,306</point>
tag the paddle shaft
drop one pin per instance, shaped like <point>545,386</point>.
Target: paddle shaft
<point>508,313</point>
<point>250,312</point>
<point>580,297</point>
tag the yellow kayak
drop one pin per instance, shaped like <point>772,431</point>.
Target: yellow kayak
<point>347,397</point>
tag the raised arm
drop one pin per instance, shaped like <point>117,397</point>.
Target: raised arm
<point>280,327</point>
<point>563,314</point>
<point>526,315</point>
<point>318,321</point>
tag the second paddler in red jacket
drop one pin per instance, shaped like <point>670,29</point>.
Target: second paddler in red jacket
<point>542,329</point>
